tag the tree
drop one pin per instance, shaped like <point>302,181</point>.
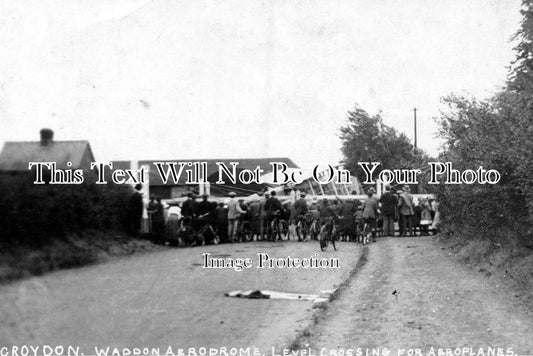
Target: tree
<point>483,134</point>
<point>366,138</point>
<point>495,134</point>
<point>521,75</point>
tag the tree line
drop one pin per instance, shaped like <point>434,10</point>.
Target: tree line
<point>495,133</point>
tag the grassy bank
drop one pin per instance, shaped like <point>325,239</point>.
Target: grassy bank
<point>503,260</point>
<point>19,261</point>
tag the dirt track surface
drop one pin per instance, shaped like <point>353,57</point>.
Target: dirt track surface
<point>167,298</point>
<point>412,294</point>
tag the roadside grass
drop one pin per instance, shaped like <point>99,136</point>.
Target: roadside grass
<point>502,256</point>
<point>22,261</point>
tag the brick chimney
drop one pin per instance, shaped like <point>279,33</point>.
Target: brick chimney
<point>47,137</point>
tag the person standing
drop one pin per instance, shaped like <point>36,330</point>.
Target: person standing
<point>370,212</point>
<point>406,206</point>
<point>234,213</point>
<point>273,206</point>
<point>158,220</point>
<point>222,222</point>
<point>255,220</point>
<point>206,209</point>
<point>188,208</point>
<point>172,224</point>
<point>300,209</point>
<point>151,209</point>
<point>388,210</point>
<point>205,214</point>
<point>263,216</point>
<point>136,208</point>
<point>397,215</point>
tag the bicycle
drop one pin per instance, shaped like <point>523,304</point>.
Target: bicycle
<point>329,233</point>
<point>366,233</point>
<point>190,236</point>
<point>314,229</point>
<point>302,229</point>
<point>244,231</point>
<point>276,227</point>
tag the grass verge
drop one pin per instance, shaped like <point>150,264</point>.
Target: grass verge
<point>91,247</point>
<point>504,259</point>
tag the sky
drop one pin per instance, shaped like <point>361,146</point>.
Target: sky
<point>241,79</point>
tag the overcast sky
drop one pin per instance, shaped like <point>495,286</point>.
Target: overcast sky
<point>237,79</point>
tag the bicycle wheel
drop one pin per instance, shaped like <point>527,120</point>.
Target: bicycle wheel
<point>247,232</point>
<point>305,229</point>
<point>323,238</point>
<point>285,229</point>
<point>300,231</point>
<point>274,230</point>
<point>314,230</point>
<point>215,239</point>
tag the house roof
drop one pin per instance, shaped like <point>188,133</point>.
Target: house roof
<point>16,155</point>
<point>212,167</point>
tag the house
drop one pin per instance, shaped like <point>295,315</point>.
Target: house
<point>15,156</point>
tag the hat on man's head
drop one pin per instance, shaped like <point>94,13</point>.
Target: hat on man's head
<point>399,191</point>
<point>232,194</point>
<point>371,190</point>
<point>406,188</point>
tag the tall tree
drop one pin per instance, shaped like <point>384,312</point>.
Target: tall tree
<point>366,138</point>
<point>521,76</point>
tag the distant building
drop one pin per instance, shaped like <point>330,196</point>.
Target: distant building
<point>170,190</point>
<point>15,156</point>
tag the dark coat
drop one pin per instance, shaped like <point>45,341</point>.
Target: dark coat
<point>388,204</point>
<point>273,204</point>
<point>188,208</point>
<point>300,206</point>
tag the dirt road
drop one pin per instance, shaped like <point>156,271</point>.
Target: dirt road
<point>168,298</point>
<point>410,293</point>
<point>394,294</point>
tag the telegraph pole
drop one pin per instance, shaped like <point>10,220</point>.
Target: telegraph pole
<point>414,111</point>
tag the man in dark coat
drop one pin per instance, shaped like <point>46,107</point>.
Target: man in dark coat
<point>272,205</point>
<point>221,214</point>
<point>388,210</point>
<point>204,211</point>
<point>263,215</point>
<point>406,207</point>
<point>136,207</point>
<point>300,205</point>
<point>188,209</point>
<point>206,208</point>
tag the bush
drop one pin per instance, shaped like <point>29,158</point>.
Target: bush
<point>35,214</point>
<point>488,134</point>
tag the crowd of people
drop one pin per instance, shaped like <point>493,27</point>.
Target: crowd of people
<point>238,220</point>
